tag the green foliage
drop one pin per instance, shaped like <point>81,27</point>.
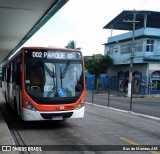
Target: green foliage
<point>99,66</point>
<point>72,45</point>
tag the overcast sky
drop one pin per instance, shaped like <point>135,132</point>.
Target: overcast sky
<point>83,21</point>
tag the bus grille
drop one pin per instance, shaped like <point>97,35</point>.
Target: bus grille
<point>51,115</point>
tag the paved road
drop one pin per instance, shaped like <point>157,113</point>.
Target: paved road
<point>148,106</point>
<point>101,131</point>
<point>101,126</point>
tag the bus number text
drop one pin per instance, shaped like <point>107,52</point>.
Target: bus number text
<point>48,88</point>
<point>37,54</point>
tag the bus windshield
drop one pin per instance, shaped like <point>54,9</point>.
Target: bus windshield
<point>53,79</point>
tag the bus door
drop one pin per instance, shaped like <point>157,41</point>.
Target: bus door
<point>8,76</point>
<point>17,87</point>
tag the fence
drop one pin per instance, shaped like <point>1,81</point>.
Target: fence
<point>144,104</point>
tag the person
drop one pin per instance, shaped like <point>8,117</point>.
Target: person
<point>36,77</point>
<point>78,86</point>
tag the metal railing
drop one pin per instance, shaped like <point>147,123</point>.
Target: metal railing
<point>144,104</point>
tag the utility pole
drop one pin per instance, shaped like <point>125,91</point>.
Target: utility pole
<point>131,58</point>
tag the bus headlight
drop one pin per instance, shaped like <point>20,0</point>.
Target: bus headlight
<point>80,104</point>
<point>30,106</point>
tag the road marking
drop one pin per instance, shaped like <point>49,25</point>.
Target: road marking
<point>137,144</point>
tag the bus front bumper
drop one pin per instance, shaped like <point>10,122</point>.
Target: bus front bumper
<point>29,115</point>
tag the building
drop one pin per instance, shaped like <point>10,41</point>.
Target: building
<point>143,34</point>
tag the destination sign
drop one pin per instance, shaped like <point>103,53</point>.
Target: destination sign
<point>53,54</point>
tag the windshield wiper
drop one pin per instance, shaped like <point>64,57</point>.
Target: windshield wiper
<point>65,70</point>
<point>51,73</point>
<point>61,76</point>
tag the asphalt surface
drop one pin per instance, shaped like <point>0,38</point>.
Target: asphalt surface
<point>143,105</point>
<point>102,131</point>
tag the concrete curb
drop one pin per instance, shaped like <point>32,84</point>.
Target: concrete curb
<point>124,111</point>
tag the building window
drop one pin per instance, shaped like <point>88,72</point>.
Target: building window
<point>155,80</point>
<point>149,45</point>
<point>138,45</point>
<point>126,47</point>
<point>155,85</point>
<point>115,49</point>
<point>110,52</point>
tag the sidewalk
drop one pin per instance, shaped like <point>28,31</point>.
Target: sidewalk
<point>5,136</point>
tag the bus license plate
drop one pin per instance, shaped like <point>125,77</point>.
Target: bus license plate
<point>57,118</point>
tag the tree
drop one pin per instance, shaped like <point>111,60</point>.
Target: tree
<point>106,63</point>
<point>72,45</point>
<point>98,66</point>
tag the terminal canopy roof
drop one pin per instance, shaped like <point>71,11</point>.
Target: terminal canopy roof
<point>143,19</point>
<point>21,19</point>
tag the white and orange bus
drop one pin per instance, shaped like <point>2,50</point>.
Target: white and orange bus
<point>45,83</point>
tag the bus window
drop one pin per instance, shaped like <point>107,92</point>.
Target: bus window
<point>0,81</point>
<point>13,72</point>
<point>8,74</point>
<point>72,80</point>
<point>4,74</point>
<point>36,76</point>
<point>18,73</point>
<point>45,79</point>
